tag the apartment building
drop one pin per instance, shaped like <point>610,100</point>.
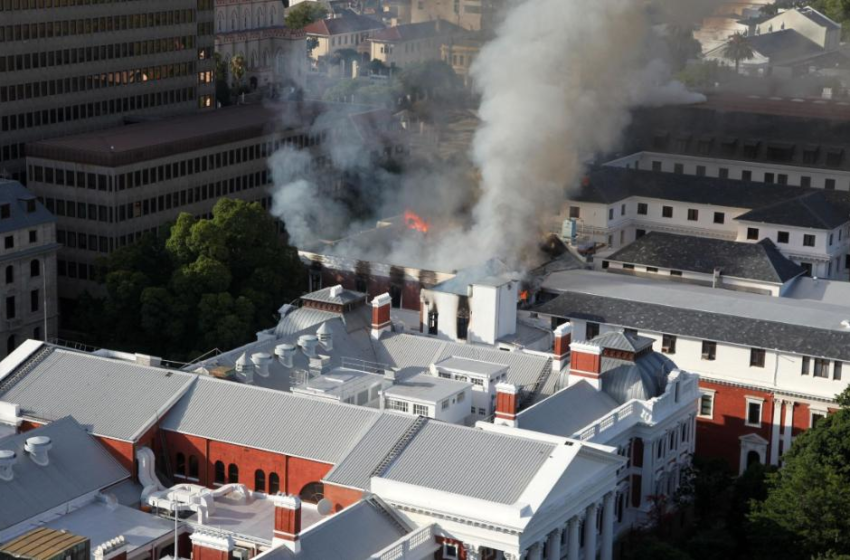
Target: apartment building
<point>28,259</point>
<point>769,367</point>
<point>275,56</point>
<point>109,188</point>
<point>73,66</point>
<point>614,206</point>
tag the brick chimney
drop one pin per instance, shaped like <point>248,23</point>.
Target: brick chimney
<point>561,347</point>
<point>586,363</point>
<point>506,404</point>
<point>113,549</point>
<point>287,521</point>
<point>381,315</point>
<point>207,545</point>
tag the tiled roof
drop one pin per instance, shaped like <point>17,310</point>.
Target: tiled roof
<point>110,397</point>
<point>16,196</point>
<point>752,261</point>
<point>816,210</point>
<point>78,465</point>
<point>345,24</point>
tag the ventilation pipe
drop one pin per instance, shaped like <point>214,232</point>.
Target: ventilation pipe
<point>8,458</point>
<point>261,362</point>
<point>325,336</point>
<point>245,369</point>
<point>308,343</point>
<point>285,353</point>
<point>38,448</point>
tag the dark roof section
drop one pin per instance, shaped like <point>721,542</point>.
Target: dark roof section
<point>25,211</point>
<point>732,329</point>
<point>345,24</point>
<point>760,261</point>
<point>784,45</point>
<point>416,31</point>
<point>778,204</point>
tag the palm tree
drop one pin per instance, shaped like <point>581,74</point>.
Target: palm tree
<point>738,48</point>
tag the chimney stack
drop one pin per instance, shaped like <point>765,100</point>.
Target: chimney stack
<point>261,361</point>
<point>38,448</point>
<point>245,369</point>
<point>561,345</point>
<point>285,353</point>
<point>113,549</point>
<point>287,521</point>
<point>586,362</point>
<point>381,315</point>
<point>207,545</point>
<point>325,336</point>
<point>506,404</point>
<point>8,458</point>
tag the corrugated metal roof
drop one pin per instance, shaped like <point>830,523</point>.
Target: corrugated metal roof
<point>110,397</point>
<point>269,419</point>
<point>568,411</point>
<point>426,387</point>
<point>355,470</point>
<point>78,465</point>
<point>302,319</point>
<point>469,462</point>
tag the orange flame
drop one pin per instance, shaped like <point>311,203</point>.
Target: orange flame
<point>412,221</point>
<point>523,295</point>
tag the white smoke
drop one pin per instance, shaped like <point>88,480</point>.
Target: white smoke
<point>557,83</point>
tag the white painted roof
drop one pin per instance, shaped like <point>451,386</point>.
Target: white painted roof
<point>425,388</point>
<point>568,411</point>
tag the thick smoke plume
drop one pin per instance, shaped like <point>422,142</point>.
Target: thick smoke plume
<point>556,84</point>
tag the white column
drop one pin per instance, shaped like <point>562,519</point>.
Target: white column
<point>774,431</point>
<point>555,544</point>
<point>646,473</point>
<point>473,552</point>
<point>573,539</point>
<point>535,552</point>
<point>789,423</point>
<point>590,532</point>
<point>607,527</point>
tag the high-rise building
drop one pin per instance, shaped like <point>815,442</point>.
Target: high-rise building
<point>71,66</point>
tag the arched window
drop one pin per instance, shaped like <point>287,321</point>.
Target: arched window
<point>10,274</point>
<point>274,483</point>
<point>272,15</point>
<point>753,458</point>
<point>219,472</point>
<point>35,268</point>
<point>233,20</point>
<point>245,19</point>
<point>232,474</point>
<point>220,23</point>
<point>193,466</point>
<point>312,493</point>
<point>259,480</point>
<point>180,464</point>
<point>260,15</point>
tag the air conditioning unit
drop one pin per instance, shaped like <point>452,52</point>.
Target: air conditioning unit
<point>241,553</point>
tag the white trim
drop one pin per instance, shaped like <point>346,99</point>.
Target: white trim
<point>707,393</point>
<point>753,400</point>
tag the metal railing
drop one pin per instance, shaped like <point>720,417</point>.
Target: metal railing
<point>364,365</point>
<point>416,542</point>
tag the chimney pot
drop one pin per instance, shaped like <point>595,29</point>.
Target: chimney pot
<point>308,343</point>
<point>38,448</point>
<point>8,458</point>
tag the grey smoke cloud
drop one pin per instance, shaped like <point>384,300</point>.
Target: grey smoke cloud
<point>557,83</point>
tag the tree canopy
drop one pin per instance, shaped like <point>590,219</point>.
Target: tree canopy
<point>303,14</point>
<point>738,48</point>
<point>209,283</point>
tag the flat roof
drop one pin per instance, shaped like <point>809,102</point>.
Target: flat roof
<point>253,517</point>
<point>426,388</point>
<point>468,365</point>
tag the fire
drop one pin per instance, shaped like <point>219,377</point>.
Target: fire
<point>523,295</point>
<point>412,221</point>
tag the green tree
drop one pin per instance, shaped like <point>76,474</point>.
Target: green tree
<point>222,87</point>
<point>681,45</point>
<point>237,69</point>
<point>738,48</point>
<point>806,510</point>
<point>433,79</point>
<point>303,14</point>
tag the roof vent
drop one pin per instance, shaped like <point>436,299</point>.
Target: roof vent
<point>336,291</point>
<point>285,353</point>
<point>38,447</point>
<point>325,336</point>
<point>845,323</point>
<point>261,362</point>
<point>308,343</point>
<point>8,458</point>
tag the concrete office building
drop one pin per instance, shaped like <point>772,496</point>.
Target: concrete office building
<point>109,188</point>
<point>28,262</point>
<point>77,66</point>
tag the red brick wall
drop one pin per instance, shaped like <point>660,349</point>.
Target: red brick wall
<point>461,551</point>
<point>375,286</point>
<point>585,362</point>
<point>380,316</point>
<point>287,523</point>
<point>562,345</point>
<point>506,405</point>
<point>203,553</point>
<point>341,497</point>
<point>123,451</point>
<point>301,472</point>
<point>719,436</point>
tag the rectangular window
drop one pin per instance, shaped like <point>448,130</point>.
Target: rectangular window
<point>678,168</point>
<point>709,350</point>
<point>591,331</point>
<point>575,212</point>
<point>757,357</point>
<point>804,370</point>
<point>719,218</point>
<point>668,344</point>
<point>420,410</point>
<point>816,417</point>
<point>808,240</point>
<point>706,405</point>
<point>10,307</point>
<point>34,299</point>
<point>821,368</point>
<point>829,184</point>
<point>836,371</point>
<point>700,171</point>
<point>642,208</point>
<point>724,173</point>
<point>667,211</point>
<point>754,413</point>
<point>445,404</point>
<point>693,214</point>
<point>392,404</point>
<point>656,166</point>
<point>675,273</point>
<point>782,179</point>
<point>610,213</point>
<point>769,178</point>
<point>746,175</point>
<point>782,237</point>
<point>805,181</point>
<point>753,233</point>
<point>9,242</point>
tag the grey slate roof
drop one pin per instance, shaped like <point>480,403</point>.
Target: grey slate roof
<point>784,45</point>
<point>112,398</point>
<point>567,411</point>
<point>355,470</point>
<point>619,340</point>
<point>818,210</point>
<point>752,261</point>
<point>15,195</point>
<point>469,462</point>
<point>78,465</point>
<point>297,426</point>
<point>627,312</point>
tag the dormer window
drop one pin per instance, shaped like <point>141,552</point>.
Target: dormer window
<point>5,211</point>
<point>834,157</point>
